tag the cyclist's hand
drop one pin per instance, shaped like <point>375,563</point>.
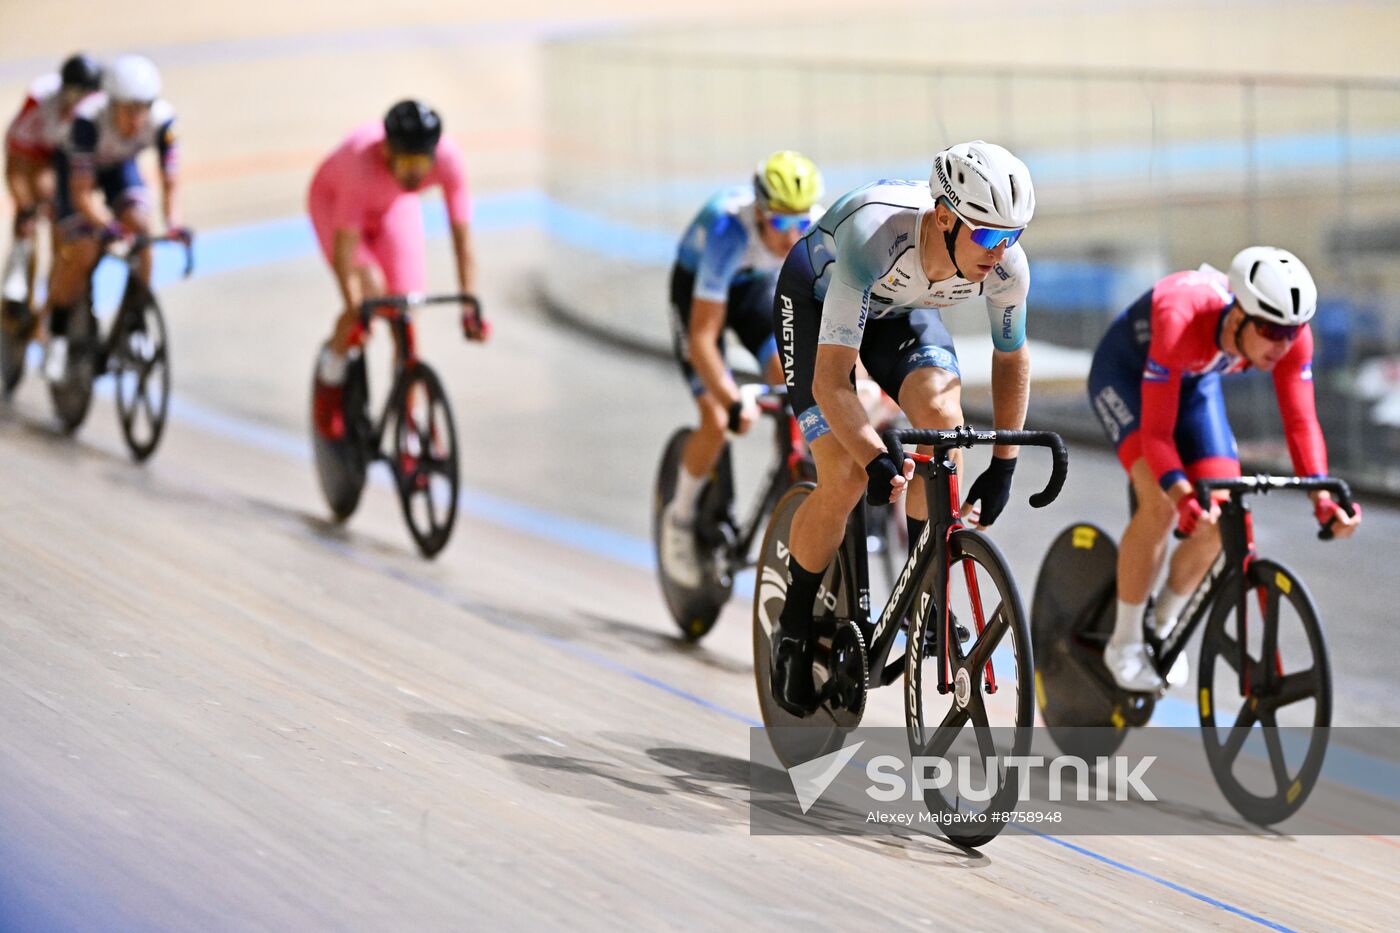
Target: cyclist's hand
<point>111,232</point>
<point>887,481</point>
<point>742,414</point>
<point>474,326</point>
<point>181,235</point>
<point>1190,517</point>
<point>992,489</point>
<point>1332,516</point>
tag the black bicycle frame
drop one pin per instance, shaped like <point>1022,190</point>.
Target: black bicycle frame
<point>135,294</point>
<point>1236,552</point>
<point>940,476</point>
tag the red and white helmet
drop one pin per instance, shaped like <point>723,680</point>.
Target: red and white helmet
<point>984,183</point>
<point>1273,284</point>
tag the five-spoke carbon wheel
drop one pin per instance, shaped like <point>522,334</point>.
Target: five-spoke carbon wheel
<point>1265,693</point>
<point>425,460</point>
<point>141,364</point>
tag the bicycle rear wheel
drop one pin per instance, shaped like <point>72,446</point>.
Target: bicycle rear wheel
<point>341,465</point>
<point>1268,753</point>
<point>425,459</point>
<point>141,362</point>
<point>72,395</point>
<point>695,609</point>
<point>1072,615</point>
<point>989,712</point>
<point>15,324</point>
<point>840,651</point>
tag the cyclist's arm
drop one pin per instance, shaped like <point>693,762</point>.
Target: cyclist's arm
<point>839,404</point>
<point>725,242</point>
<point>1006,292</point>
<point>1297,402</point>
<point>466,257</point>
<point>1011,393</point>
<point>169,175</point>
<point>450,170</point>
<point>82,178</point>
<point>706,322</point>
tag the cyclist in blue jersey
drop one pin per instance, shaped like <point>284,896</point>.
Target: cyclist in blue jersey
<point>99,186</point>
<point>866,284</point>
<point>723,277</point>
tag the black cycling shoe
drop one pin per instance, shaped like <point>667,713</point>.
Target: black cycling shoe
<point>791,674</point>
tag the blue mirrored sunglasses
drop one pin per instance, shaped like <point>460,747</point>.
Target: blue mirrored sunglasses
<point>785,222</point>
<point>991,237</point>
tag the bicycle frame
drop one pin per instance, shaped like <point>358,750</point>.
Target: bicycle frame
<point>135,293</point>
<point>1237,552</point>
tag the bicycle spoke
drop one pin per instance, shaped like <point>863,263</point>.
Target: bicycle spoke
<point>1239,732</point>
<point>1275,746</point>
<point>989,639</point>
<point>1230,652</point>
<point>946,732</point>
<point>981,727</point>
<point>1293,688</point>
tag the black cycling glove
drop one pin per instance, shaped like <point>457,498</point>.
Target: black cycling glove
<point>882,471</point>
<point>993,488</point>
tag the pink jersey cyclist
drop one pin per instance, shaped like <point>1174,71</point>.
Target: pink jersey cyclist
<point>369,224</point>
<point>353,189</point>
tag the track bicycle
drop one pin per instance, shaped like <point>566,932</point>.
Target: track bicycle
<point>962,684</point>
<point>1263,657</point>
<point>416,419</point>
<point>135,349</point>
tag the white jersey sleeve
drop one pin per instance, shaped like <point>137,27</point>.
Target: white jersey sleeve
<point>869,242</point>
<point>1006,290</point>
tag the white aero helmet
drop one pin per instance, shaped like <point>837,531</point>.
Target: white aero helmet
<point>984,183</point>
<point>1273,284</point>
<point>132,79</point>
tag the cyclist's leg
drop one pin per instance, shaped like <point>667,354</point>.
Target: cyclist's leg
<point>702,448</point>
<point>322,212</point>
<point>400,249</point>
<point>1115,392</point>
<point>912,359</point>
<point>30,183</point>
<point>1207,446</point>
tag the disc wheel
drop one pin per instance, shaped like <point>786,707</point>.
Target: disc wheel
<point>988,713</point>
<point>425,460</point>
<point>16,323</point>
<point>1265,743</point>
<point>141,363</point>
<point>1072,616</point>
<point>341,465</point>
<point>799,739</point>
<point>694,609</point>
<point>72,395</point>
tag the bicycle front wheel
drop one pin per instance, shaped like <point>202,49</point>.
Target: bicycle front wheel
<point>141,362</point>
<point>1267,752</point>
<point>425,460</point>
<point>987,715</point>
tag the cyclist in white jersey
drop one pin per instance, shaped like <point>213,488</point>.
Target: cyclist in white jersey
<point>100,187</point>
<point>866,284</point>
<point>723,279</point>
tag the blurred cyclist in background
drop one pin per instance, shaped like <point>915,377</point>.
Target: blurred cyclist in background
<point>364,206</point>
<point>33,137</point>
<point>1155,385</point>
<point>100,192</point>
<point>865,285</point>
<point>723,277</point>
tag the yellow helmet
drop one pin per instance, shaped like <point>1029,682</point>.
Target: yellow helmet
<point>787,181</point>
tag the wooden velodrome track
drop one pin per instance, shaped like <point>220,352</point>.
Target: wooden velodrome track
<point>223,713</point>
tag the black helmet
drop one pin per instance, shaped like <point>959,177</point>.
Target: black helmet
<point>81,71</point>
<point>412,127</point>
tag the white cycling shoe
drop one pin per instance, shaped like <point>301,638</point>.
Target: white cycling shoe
<point>56,359</point>
<point>1131,668</point>
<point>678,552</point>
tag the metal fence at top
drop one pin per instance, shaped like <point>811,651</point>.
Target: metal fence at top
<point>1137,174</point>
